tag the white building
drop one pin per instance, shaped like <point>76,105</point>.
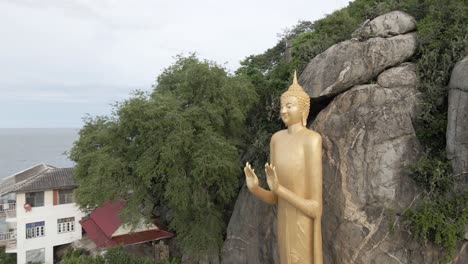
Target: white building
<point>40,213</point>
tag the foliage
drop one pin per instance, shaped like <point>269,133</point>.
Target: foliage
<point>441,220</point>
<point>170,261</point>
<point>441,216</point>
<point>115,255</point>
<point>443,40</point>
<point>178,147</point>
<point>335,28</point>
<point>78,256</point>
<point>433,175</point>
<point>326,32</point>
<point>369,9</point>
<point>269,73</point>
<point>7,258</point>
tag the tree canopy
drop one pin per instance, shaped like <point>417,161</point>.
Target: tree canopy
<point>6,258</point>
<point>114,255</point>
<point>177,146</point>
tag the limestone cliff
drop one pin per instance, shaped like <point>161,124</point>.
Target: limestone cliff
<point>369,142</point>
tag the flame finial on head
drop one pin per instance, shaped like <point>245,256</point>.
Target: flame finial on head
<point>296,90</point>
<point>295,78</point>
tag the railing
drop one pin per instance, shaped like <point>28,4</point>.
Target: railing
<point>10,245</point>
<point>8,236</point>
<point>7,207</point>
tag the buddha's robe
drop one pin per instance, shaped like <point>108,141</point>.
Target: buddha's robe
<point>295,229</point>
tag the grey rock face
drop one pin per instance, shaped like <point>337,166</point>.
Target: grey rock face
<point>462,255</point>
<point>459,77</point>
<point>351,62</point>
<point>390,24</point>
<point>402,79</point>
<point>403,75</point>
<point>457,127</point>
<point>368,144</point>
<point>251,233</point>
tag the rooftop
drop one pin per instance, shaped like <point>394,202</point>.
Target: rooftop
<point>38,178</point>
<point>104,227</point>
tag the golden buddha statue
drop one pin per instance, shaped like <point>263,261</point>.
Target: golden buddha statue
<point>294,176</point>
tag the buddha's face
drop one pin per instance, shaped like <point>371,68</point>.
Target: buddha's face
<point>290,111</point>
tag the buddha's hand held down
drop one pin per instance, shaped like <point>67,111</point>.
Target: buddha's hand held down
<point>250,178</point>
<point>272,178</point>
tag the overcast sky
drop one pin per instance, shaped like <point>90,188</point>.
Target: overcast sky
<point>62,59</point>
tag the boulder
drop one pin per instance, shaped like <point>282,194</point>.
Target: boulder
<point>386,25</point>
<point>404,80</point>
<point>400,76</point>
<point>457,125</point>
<point>251,233</point>
<point>352,62</point>
<point>368,144</point>
<point>462,255</point>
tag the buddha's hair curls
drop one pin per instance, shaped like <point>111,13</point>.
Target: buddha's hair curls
<point>295,90</point>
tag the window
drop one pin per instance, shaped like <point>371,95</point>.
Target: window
<point>35,256</point>
<point>36,229</point>
<point>65,225</point>
<point>35,199</point>
<point>65,196</point>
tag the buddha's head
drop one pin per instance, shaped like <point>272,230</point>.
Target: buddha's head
<point>295,104</point>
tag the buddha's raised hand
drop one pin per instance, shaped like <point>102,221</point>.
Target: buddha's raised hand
<point>250,178</point>
<point>272,178</point>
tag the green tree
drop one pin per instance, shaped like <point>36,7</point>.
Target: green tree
<point>177,147</point>
<point>117,255</point>
<point>114,255</point>
<point>7,258</point>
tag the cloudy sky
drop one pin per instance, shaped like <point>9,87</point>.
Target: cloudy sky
<point>63,59</point>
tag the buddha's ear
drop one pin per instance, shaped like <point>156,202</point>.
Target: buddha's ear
<point>304,119</point>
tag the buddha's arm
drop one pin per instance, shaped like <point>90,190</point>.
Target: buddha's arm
<point>312,206</point>
<point>267,196</point>
<point>309,207</point>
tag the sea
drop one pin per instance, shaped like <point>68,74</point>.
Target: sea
<point>22,148</point>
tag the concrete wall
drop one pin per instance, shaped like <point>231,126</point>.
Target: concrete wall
<point>48,213</point>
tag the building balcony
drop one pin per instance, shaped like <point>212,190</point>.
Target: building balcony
<point>8,236</point>
<point>7,207</point>
<point>10,246</point>
<point>8,210</point>
<point>8,240</point>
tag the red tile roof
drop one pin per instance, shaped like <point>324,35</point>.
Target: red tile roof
<point>105,220</point>
<point>140,237</point>
<point>107,216</point>
<point>94,232</point>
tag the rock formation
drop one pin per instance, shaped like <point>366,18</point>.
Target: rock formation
<point>251,234</point>
<point>352,62</point>
<point>457,135</point>
<point>457,128</point>
<point>368,144</point>
<point>401,76</point>
<point>403,80</point>
<point>390,24</point>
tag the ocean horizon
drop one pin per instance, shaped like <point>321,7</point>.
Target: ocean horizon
<point>22,148</point>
